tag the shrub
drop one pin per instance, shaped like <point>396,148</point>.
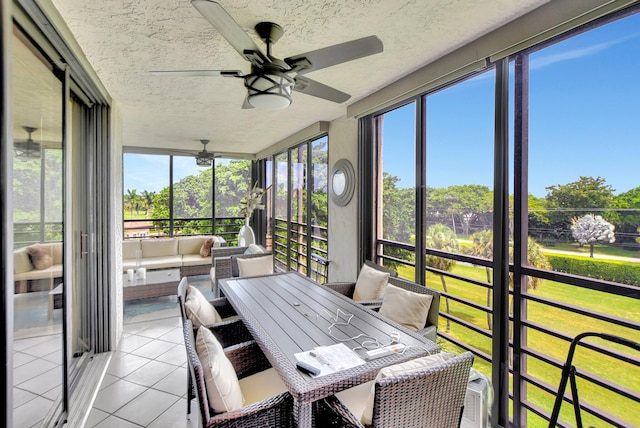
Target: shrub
<point>608,270</point>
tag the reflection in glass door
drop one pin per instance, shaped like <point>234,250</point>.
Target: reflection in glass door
<point>38,160</point>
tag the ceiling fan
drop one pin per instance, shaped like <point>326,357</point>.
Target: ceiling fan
<point>205,158</point>
<point>27,148</point>
<point>272,80</point>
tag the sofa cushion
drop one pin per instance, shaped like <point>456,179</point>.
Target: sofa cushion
<point>21,261</point>
<point>195,260</point>
<point>223,388</point>
<point>54,271</point>
<point>406,307</point>
<point>162,262</point>
<point>198,309</point>
<point>399,369</point>
<point>370,284</point>
<point>159,247</point>
<point>255,266</point>
<point>129,248</point>
<point>190,244</point>
<point>40,257</point>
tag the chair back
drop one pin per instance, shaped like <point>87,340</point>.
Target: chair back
<point>183,287</point>
<point>196,371</point>
<point>432,397</point>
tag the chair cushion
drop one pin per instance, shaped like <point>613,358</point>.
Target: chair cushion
<point>398,369</point>
<point>40,257</point>
<point>406,307</point>
<point>223,388</point>
<point>255,266</point>
<point>198,309</point>
<point>370,284</point>
<point>261,385</point>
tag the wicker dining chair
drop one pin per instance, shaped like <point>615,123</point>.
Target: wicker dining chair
<point>431,397</point>
<point>229,332</point>
<point>247,359</point>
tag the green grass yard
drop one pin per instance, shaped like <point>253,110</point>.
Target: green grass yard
<point>623,374</point>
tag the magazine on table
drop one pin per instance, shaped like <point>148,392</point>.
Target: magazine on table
<point>328,359</point>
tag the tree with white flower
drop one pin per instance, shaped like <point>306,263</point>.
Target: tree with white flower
<point>590,229</point>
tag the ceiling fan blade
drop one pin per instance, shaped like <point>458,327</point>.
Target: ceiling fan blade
<point>229,29</point>
<point>336,54</point>
<point>320,90</point>
<point>188,73</point>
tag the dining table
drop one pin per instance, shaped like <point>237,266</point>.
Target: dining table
<point>289,314</point>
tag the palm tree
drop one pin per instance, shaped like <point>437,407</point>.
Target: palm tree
<point>442,238</point>
<point>483,247</point>
<point>147,201</point>
<point>130,200</point>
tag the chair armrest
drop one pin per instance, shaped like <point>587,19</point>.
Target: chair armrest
<point>344,288</point>
<point>247,358</point>
<point>429,332</point>
<point>230,332</point>
<point>330,412</point>
<point>223,307</point>
<point>276,411</point>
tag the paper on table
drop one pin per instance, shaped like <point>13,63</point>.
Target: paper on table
<point>330,359</point>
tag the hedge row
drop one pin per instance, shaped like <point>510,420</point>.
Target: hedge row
<point>608,270</point>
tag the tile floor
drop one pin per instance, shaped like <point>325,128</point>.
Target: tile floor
<point>145,384</point>
<point>146,381</point>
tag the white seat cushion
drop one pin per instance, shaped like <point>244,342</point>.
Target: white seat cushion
<point>223,388</point>
<point>262,385</point>
<point>198,308</point>
<point>356,398</point>
<point>406,307</point>
<point>255,266</point>
<point>371,284</point>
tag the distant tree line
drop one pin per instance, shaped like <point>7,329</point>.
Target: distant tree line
<point>467,209</point>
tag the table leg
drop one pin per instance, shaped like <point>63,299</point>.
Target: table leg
<point>302,414</point>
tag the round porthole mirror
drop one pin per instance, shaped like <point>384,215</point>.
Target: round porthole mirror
<point>343,182</point>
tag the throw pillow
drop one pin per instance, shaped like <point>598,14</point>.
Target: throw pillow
<point>398,369</point>
<point>198,308</point>
<point>223,388</point>
<point>205,250</point>
<point>370,284</point>
<point>406,307</point>
<point>40,258</point>
<point>255,266</point>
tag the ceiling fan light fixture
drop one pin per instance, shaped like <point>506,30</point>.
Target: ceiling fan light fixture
<point>271,91</point>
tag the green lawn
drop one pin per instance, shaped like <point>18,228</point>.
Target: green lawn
<point>621,373</point>
<point>598,249</point>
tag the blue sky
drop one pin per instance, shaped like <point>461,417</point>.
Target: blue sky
<point>583,118</point>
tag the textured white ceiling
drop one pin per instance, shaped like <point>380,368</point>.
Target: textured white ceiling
<point>125,39</point>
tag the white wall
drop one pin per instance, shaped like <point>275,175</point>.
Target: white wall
<point>116,224</point>
<point>343,221</point>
